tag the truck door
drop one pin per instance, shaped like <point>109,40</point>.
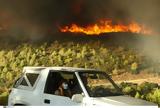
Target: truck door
<point>52,92</point>
<point>56,100</point>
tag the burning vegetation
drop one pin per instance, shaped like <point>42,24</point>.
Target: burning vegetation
<point>106,26</point>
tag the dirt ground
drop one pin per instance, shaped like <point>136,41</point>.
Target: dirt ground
<point>137,78</point>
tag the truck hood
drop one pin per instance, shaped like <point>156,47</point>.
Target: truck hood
<point>121,100</point>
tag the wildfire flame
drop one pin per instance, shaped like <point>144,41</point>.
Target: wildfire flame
<point>106,26</point>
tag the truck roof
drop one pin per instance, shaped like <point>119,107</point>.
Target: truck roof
<point>57,68</point>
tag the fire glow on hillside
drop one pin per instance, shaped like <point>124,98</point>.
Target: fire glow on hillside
<point>106,26</point>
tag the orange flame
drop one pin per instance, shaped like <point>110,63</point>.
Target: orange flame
<point>106,26</point>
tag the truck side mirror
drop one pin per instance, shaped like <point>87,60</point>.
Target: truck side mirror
<point>77,98</point>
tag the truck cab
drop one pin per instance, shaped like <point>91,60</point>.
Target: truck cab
<point>68,86</point>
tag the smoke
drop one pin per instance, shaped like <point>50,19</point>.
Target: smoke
<point>50,13</point>
<point>37,19</point>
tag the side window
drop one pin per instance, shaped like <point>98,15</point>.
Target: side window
<point>24,82</point>
<point>63,84</point>
<point>32,77</point>
<point>17,83</point>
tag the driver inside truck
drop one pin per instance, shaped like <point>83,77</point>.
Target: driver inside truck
<point>63,89</point>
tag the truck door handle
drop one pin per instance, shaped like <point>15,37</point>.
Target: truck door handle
<point>47,101</point>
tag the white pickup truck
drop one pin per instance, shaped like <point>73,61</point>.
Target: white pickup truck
<point>83,87</point>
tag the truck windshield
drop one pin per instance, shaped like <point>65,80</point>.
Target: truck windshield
<point>99,84</point>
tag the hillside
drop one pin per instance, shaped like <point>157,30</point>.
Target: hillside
<point>116,61</point>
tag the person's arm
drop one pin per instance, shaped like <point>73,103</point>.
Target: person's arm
<point>57,92</point>
<point>61,91</point>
